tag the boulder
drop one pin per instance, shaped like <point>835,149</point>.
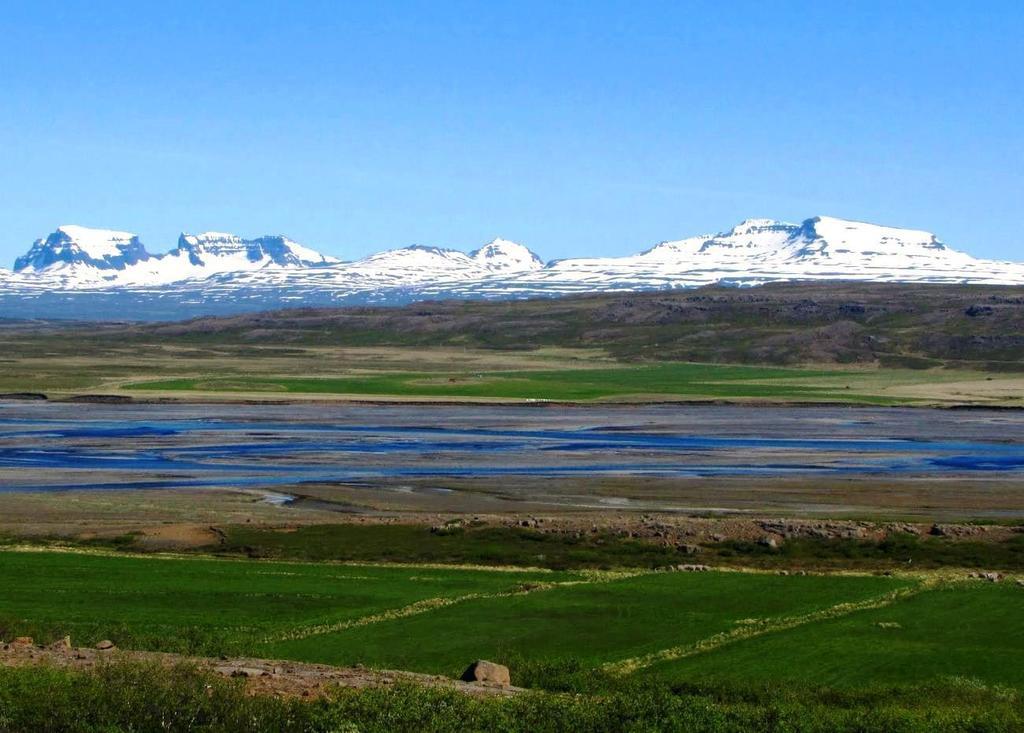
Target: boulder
<point>487,673</point>
<point>61,645</point>
<point>105,645</point>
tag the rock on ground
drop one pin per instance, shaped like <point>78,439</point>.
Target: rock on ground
<point>487,673</point>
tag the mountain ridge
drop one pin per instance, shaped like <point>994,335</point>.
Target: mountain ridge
<point>217,272</point>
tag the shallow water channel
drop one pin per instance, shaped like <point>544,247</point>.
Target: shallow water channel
<point>54,446</point>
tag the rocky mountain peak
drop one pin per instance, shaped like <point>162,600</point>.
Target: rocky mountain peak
<point>72,245</point>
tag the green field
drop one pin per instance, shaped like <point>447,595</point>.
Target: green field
<point>844,631</point>
<point>665,380</point>
<point>952,632</point>
<point>595,623</point>
<point>209,606</point>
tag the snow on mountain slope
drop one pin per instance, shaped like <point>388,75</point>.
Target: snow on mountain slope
<point>415,261</point>
<point>71,245</point>
<point>749,241</point>
<point>216,272</point>
<point>827,241</point>
<point>418,263</point>
<point>226,252</point>
<point>501,255</point>
<point>762,250</point>
<point>77,257</point>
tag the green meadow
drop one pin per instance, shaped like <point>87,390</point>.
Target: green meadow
<point>845,631</point>
<point>672,380</point>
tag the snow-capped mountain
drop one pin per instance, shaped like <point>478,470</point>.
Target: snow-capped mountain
<point>228,252</point>
<point>77,271</point>
<point>501,255</point>
<point>418,263</point>
<point>79,258</point>
<point>74,246</point>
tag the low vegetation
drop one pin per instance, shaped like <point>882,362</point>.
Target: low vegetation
<point>895,551</point>
<point>488,545</point>
<point>139,698</point>
<point>473,545</point>
<point>576,385</point>
<point>897,325</point>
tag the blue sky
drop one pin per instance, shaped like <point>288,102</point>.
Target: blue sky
<point>577,128</point>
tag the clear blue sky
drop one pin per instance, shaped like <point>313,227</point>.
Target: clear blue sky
<point>577,128</point>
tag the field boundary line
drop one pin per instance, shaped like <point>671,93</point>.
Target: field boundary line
<point>759,627</point>
<point>432,604</point>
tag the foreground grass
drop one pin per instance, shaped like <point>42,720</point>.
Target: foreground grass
<point>140,698</point>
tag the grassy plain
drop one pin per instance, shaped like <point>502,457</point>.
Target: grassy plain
<point>440,375</point>
<point>844,342</point>
<point>73,360</point>
<point>705,381</point>
<point>61,368</point>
